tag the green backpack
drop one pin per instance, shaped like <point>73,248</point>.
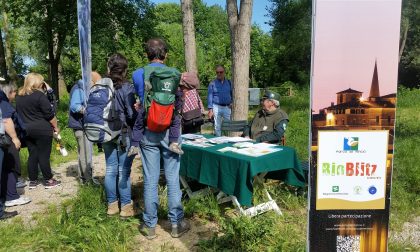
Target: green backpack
<point>161,84</point>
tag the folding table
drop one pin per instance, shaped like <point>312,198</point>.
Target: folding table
<point>235,174</point>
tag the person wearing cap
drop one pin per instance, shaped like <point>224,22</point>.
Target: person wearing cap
<point>269,123</point>
<point>219,99</point>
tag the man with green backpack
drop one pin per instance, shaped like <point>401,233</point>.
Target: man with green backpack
<point>157,111</point>
<point>157,132</point>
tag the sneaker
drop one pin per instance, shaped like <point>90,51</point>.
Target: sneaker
<point>33,184</point>
<point>7,215</point>
<point>148,232</point>
<point>133,151</point>
<point>113,208</point>
<point>127,211</point>
<point>17,202</point>
<point>20,183</point>
<point>52,183</point>
<point>174,147</point>
<point>180,228</point>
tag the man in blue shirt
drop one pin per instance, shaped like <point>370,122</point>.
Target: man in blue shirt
<point>84,146</point>
<point>219,99</point>
<point>155,148</point>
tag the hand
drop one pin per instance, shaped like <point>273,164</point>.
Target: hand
<point>210,114</point>
<point>47,87</point>
<point>16,142</point>
<point>56,130</point>
<point>137,106</point>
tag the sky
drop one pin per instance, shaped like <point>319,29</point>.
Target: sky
<point>349,36</point>
<point>258,10</point>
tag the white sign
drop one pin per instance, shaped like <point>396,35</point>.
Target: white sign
<point>351,169</point>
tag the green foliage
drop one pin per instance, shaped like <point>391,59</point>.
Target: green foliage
<point>262,59</point>
<point>267,232</point>
<point>80,224</point>
<point>406,172</point>
<point>291,22</point>
<point>409,65</point>
<point>168,13</point>
<point>204,207</point>
<point>212,37</point>
<point>297,133</point>
<point>398,247</point>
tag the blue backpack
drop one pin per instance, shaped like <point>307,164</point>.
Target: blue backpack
<point>101,121</point>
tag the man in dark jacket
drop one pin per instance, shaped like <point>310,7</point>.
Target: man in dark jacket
<point>84,146</point>
<point>269,123</point>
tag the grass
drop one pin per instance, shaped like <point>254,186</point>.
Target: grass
<point>82,224</point>
<point>406,173</point>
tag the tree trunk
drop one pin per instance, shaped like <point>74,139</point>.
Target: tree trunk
<point>189,36</point>
<point>54,75</point>
<point>8,46</point>
<point>406,24</point>
<point>53,54</point>
<point>240,32</point>
<point>62,88</point>
<point>3,67</point>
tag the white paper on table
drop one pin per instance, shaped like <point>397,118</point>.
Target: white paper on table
<point>192,136</point>
<point>243,145</point>
<point>196,143</point>
<point>219,140</point>
<point>259,151</point>
<point>239,139</point>
<point>227,149</point>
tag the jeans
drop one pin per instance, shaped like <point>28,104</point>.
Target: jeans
<point>118,169</point>
<point>219,113</point>
<point>153,146</point>
<point>84,149</point>
<point>1,170</point>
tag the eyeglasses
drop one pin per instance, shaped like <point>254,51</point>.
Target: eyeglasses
<point>220,72</point>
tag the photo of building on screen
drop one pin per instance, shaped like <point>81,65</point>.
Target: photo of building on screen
<point>353,110</point>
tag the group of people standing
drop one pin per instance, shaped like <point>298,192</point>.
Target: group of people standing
<point>155,148</point>
<point>34,123</point>
<point>31,124</point>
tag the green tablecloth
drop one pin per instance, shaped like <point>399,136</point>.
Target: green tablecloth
<point>233,173</point>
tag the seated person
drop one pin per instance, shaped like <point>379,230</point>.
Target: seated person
<point>269,123</point>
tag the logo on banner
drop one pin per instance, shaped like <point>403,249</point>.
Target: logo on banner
<point>357,190</point>
<point>351,143</point>
<point>372,190</point>
<point>335,189</point>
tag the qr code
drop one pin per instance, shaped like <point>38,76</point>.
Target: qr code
<point>349,243</point>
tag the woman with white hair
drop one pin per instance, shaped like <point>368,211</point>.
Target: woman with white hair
<point>8,94</point>
<point>40,122</point>
<point>11,160</point>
